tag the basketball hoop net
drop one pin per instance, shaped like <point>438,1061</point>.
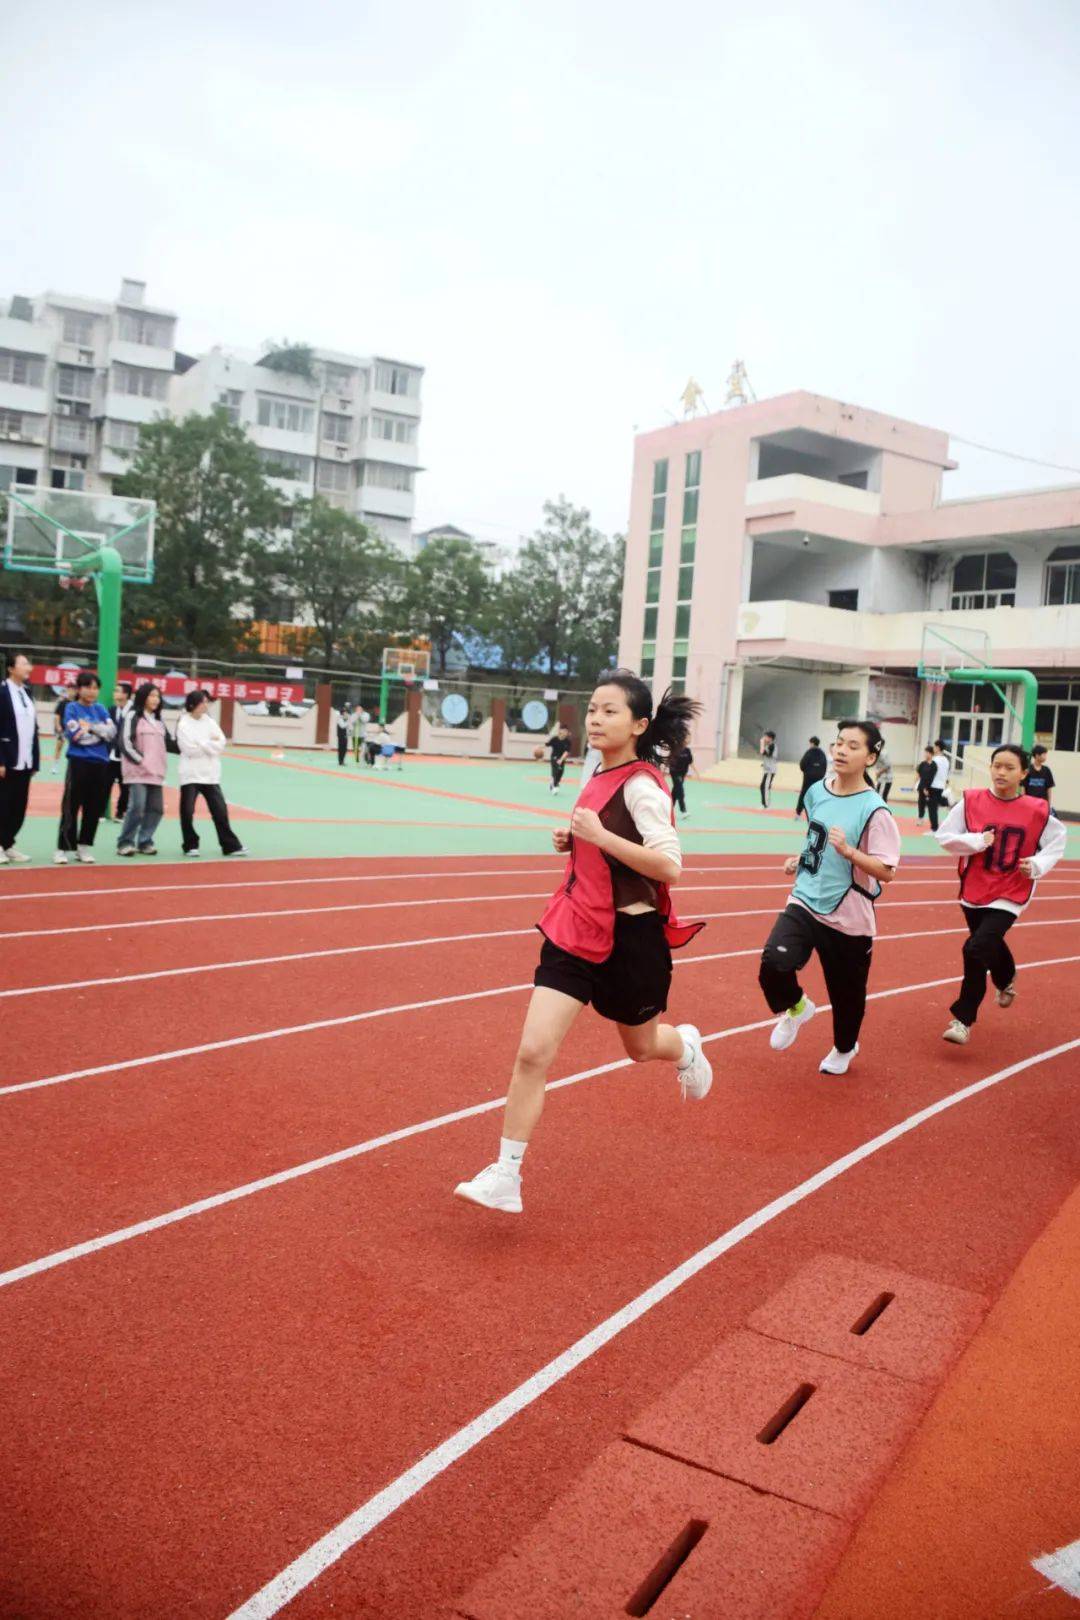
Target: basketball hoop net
<point>72,582</point>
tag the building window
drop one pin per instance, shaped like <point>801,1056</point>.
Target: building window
<point>17,475</point>
<point>334,475</point>
<point>686,581</point>
<point>146,329</point>
<point>648,659</point>
<point>687,545</point>
<point>848,600</point>
<point>74,383</point>
<point>284,464</point>
<point>651,615</point>
<point>837,703</point>
<point>1062,582</point>
<point>656,550</point>
<point>690,488</point>
<point>652,585</point>
<point>397,380</point>
<point>11,425</point>
<point>1057,717</point>
<point>78,328</point>
<point>679,653</point>
<point>286,414</point>
<point>335,429</point>
<point>230,400</point>
<point>984,581</point>
<point>659,477</point>
<point>682,620</point>
<point>122,435</point>
<point>386,475</point>
<point>140,381</point>
<point>396,429</point>
<point>71,433</point>
<point>26,369</point>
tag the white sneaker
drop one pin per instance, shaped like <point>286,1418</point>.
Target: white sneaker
<point>230,854</point>
<point>190,854</point>
<point>1005,998</point>
<point>695,1074</point>
<point>788,1025</point>
<point>838,1062</point>
<point>87,856</point>
<point>5,858</point>
<point>125,849</point>
<point>16,855</point>
<point>957,1032</point>
<point>60,858</point>
<point>496,1187</point>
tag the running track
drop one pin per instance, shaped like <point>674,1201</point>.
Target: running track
<point>216,1346</point>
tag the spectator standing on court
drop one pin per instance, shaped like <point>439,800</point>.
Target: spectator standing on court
<point>559,745</point>
<point>814,767</point>
<point>58,724</point>
<point>120,704</point>
<point>386,747</point>
<point>202,742</point>
<point>936,800</point>
<point>1039,782</point>
<point>884,773</point>
<point>680,765</point>
<point>20,755</point>
<point>361,719</point>
<point>372,738</point>
<point>90,731</point>
<point>769,763</point>
<point>924,780</point>
<point>344,726</point>
<point>144,743</point>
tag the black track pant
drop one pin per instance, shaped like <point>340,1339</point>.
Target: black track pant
<point>766,787</point>
<point>922,802</point>
<point>985,951</point>
<point>86,793</point>
<point>935,803</point>
<point>342,745</point>
<point>215,803</point>
<point>14,793</point>
<point>885,789</point>
<point>558,766</point>
<point>678,792</point>
<point>845,962</point>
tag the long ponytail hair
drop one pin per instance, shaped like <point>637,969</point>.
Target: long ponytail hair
<point>669,723</point>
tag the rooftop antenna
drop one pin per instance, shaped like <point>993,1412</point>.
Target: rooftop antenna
<point>739,391</point>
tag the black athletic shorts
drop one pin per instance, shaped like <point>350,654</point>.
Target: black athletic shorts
<point>631,986</point>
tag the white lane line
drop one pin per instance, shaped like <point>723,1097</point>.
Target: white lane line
<point>108,1240</point>
<point>1061,1568</point>
<point>412,944</point>
<point>329,1548</point>
<point>443,900</point>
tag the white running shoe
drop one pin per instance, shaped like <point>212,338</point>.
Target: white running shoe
<point>86,855</point>
<point>695,1074</point>
<point>60,858</point>
<point>838,1062</point>
<point>230,854</point>
<point>190,854</point>
<point>788,1025</point>
<point>16,856</point>
<point>1005,998</point>
<point>495,1187</point>
<point>957,1032</point>
<point>4,857</point>
<point>125,849</point>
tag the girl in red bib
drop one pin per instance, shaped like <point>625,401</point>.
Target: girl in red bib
<point>1007,841</point>
<point>609,928</point>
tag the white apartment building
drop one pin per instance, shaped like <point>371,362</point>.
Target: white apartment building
<point>349,435</point>
<point>496,559</point>
<point>78,376</point>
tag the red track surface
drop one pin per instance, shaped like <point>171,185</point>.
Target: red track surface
<point>184,1412</point>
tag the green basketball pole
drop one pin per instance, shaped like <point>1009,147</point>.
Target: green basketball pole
<point>107,567</point>
<point>1005,677</point>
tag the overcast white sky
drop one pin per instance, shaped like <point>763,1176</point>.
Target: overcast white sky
<point>562,210</point>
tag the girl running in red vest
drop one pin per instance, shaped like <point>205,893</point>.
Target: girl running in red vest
<point>609,928</point>
<point>1007,841</point>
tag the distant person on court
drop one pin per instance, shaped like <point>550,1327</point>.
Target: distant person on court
<point>1006,841</point>
<point>769,763</point>
<point>90,731</point>
<point>609,928</point>
<point>201,742</point>
<point>58,724</point>
<point>372,740</point>
<point>884,774</point>
<point>344,724</point>
<point>20,755</point>
<point>144,744</point>
<point>120,704</point>
<point>680,766</point>
<point>813,766</point>
<point>852,850</point>
<point>1039,782</point>
<point>936,800</point>
<point>387,748</point>
<point>559,745</point>
<point>924,780</point>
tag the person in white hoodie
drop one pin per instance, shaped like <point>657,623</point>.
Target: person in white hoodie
<point>202,742</point>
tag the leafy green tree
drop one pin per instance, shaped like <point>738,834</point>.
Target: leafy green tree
<point>217,518</point>
<point>340,571</point>
<point>558,609</point>
<point>443,595</point>
<point>297,359</point>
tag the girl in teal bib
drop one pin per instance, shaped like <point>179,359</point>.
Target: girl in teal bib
<point>852,849</point>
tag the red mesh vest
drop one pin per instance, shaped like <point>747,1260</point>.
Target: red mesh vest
<point>994,873</point>
<point>580,916</point>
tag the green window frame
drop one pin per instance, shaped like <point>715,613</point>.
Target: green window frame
<point>688,546</point>
<point>679,651</point>
<point>652,585</point>
<point>656,549</point>
<point>693,469</point>
<point>648,658</point>
<point>659,477</point>
<point>651,615</point>
<point>686,582</point>
<point>682,621</point>
<point>689,506</point>
<point>659,512</point>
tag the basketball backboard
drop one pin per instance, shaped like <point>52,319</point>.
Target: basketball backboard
<point>52,531</point>
<point>946,648</point>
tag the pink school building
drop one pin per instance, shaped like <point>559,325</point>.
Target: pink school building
<point>783,559</point>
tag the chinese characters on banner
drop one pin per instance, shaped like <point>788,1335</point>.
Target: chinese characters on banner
<point>181,685</point>
<point>895,699</point>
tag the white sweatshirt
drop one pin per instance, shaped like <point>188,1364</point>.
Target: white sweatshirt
<point>202,743</point>
<point>953,836</point>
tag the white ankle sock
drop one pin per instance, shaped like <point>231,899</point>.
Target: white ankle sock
<point>511,1153</point>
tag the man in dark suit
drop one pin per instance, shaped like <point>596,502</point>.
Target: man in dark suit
<point>20,755</point>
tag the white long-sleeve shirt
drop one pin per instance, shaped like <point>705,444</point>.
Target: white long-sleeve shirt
<point>954,837</point>
<point>201,744</point>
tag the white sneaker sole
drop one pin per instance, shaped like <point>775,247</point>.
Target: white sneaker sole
<point>501,1207</point>
<point>840,1068</point>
